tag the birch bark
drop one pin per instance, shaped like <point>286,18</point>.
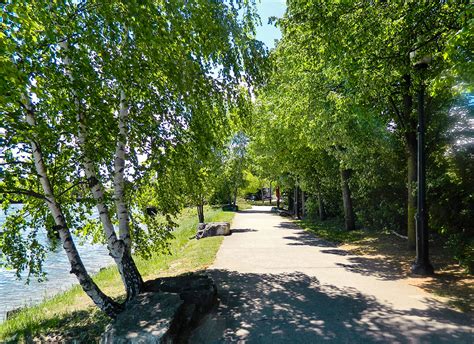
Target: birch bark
<point>102,301</point>
<point>129,273</point>
<point>119,171</point>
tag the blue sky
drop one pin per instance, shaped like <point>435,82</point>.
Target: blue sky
<point>269,8</point>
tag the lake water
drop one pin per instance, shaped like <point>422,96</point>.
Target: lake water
<point>15,293</point>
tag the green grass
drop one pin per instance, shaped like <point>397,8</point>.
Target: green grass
<point>71,314</point>
<point>332,230</point>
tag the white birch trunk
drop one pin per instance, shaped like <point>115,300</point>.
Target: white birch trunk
<point>119,171</point>
<point>102,301</point>
<point>126,266</point>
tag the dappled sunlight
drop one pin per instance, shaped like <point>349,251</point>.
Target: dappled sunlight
<point>271,308</point>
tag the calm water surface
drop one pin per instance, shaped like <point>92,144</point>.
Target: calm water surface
<point>15,293</point>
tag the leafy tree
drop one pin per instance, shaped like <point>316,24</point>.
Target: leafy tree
<point>371,59</point>
<point>100,94</point>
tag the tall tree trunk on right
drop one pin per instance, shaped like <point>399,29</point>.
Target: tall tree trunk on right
<point>411,191</point>
<point>410,124</point>
<point>105,303</point>
<point>349,218</point>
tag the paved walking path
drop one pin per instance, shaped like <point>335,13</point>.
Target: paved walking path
<point>280,284</point>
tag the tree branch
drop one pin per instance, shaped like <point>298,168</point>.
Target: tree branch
<point>395,109</point>
<point>71,187</point>
<point>25,192</point>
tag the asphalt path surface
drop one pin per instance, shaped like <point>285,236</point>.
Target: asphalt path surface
<point>280,284</point>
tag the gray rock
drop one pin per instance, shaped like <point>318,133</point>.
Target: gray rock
<point>12,313</point>
<point>166,312</point>
<point>147,319</point>
<point>212,229</point>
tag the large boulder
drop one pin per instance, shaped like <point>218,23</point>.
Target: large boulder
<point>199,293</point>
<point>205,230</point>
<point>147,319</point>
<point>166,312</point>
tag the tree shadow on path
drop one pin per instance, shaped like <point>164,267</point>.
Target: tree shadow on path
<point>384,268</point>
<point>295,308</point>
<point>243,230</point>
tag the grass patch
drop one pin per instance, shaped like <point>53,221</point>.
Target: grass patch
<point>71,314</point>
<point>332,230</point>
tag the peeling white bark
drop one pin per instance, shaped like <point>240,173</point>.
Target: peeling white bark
<point>77,267</point>
<point>119,172</point>
<point>117,248</point>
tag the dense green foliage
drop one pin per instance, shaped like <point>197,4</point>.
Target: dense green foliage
<point>111,105</point>
<point>340,110</point>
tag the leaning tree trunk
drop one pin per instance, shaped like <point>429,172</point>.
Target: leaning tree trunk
<point>105,303</point>
<point>129,273</point>
<point>349,218</point>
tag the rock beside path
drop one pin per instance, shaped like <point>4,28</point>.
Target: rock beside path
<point>147,319</point>
<point>212,229</point>
<point>166,312</point>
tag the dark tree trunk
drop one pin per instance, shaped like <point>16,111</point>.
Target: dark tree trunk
<point>349,217</point>
<point>131,277</point>
<point>295,211</point>
<point>200,212</point>
<point>409,125</point>
<point>411,191</point>
<point>322,213</point>
<point>277,190</point>
<point>303,211</point>
<point>291,202</point>
<point>270,193</point>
